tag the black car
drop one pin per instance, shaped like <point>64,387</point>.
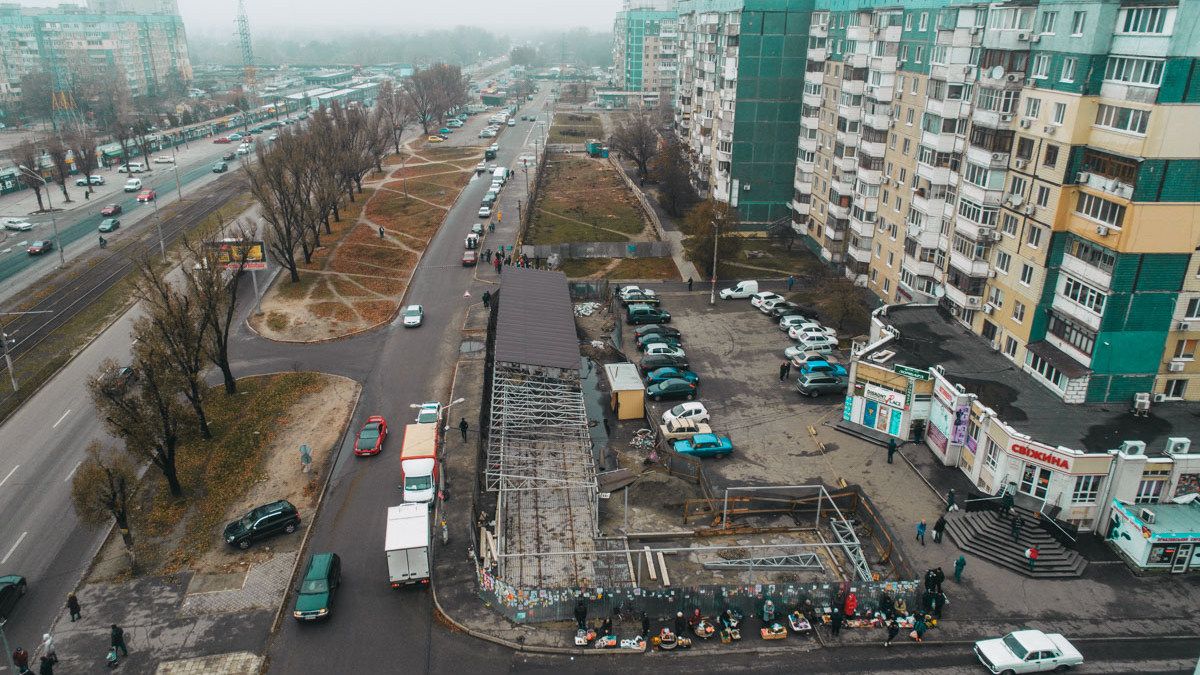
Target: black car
<point>672,388</point>
<point>12,587</point>
<point>784,308</point>
<point>264,521</point>
<point>651,338</point>
<point>663,330</point>
<point>229,156</point>
<point>643,313</point>
<point>656,361</point>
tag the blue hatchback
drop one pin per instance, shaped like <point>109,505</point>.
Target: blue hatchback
<point>668,373</point>
<point>705,445</point>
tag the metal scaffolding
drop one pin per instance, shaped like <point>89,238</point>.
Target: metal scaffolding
<point>795,561</point>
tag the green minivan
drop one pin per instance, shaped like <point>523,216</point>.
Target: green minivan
<point>314,598</point>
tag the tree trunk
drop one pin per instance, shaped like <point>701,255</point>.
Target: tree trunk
<point>168,472</point>
<point>66,195</point>
<point>38,193</point>
<point>358,183</point>
<point>227,374</point>
<point>198,407</point>
<point>292,273</point>
<point>337,216</point>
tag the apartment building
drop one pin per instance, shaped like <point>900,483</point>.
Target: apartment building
<point>738,97</point>
<point>1030,167</point>
<point>645,56</point>
<point>148,49</point>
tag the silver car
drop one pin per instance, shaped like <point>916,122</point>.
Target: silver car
<point>815,384</point>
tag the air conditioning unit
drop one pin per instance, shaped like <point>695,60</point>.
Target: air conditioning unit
<point>996,156</point>
<point>1035,38</point>
<point>1015,199</point>
<point>1133,447</point>
<point>975,30</point>
<point>1102,230</point>
<point>1159,398</point>
<point>1146,516</point>
<point>1082,177</point>
<point>1049,129</point>
<point>1177,445</point>
<point>1030,209</point>
<point>1183,325</point>
<point>1175,367</point>
<point>1012,77</point>
<point>1023,37</point>
<point>988,309</point>
<point>1025,124</point>
<point>1141,401</point>
<point>1020,164</point>
<point>1006,117</point>
<point>972,301</point>
<point>746,187</point>
<point>991,274</point>
<point>996,236</point>
<point>966,70</point>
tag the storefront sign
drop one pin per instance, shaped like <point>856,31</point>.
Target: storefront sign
<point>1041,456</point>
<point>915,373</point>
<point>848,409</point>
<point>884,396</point>
<point>935,434</point>
<point>972,444</point>
<point>944,393</point>
<point>958,433</point>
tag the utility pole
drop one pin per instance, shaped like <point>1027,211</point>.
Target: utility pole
<point>712,298</point>
<point>8,362</point>
<point>62,260</point>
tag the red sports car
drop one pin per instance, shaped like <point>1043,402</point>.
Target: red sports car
<point>221,139</point>
<point>146,196</point>
<point>111,210</point>
<point>370,439</point>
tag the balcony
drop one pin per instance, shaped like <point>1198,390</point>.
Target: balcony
<point>854,87</point>
<point>833,233</point>
<point>805,167</point>
<point>870,176</point>
<point>872,148</point>
<point>969,266</point>
<point>813,100</point>
<point>856,60</point>
<point>919,268</point>
<point>807,144</point>
<point>942,142</point>
<point>815,77</point>
<point>926,237</point>
<point>801,208</point>
<point>960,298</point>
<point>862,228</point>
<point>1073,310</point>
<point>810,121</point>
<point>980,195</point>
<point>881,93</point>
<point>852,113</point>
<point>842,181</point>
<point>803,183</point>
<point>800,227</point>
<point>939,175</point>
<point>818,54</point>
<point>838,211</point>
<point>1105,184</point>
<point>1093,276</point>
<point>973,230</point>
<point>878,121</point>
<point>854,250</point>
<point>859,33</point>
<point>947,108</point>
<point>850,139</point>
<point>984,157</point>
<point>831,256</point>
<point>954,73</point>
<point>818,31</point>
<point>883,64</point>
<point>932,207</point>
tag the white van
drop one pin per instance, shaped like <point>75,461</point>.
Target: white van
<point>132,167</point>
<point>742,289</point>
<point>133,185</point>
<point>500,174</point>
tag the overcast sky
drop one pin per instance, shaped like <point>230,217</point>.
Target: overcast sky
<point>501,16</point>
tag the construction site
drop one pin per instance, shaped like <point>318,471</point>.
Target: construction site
<point>563,516</point>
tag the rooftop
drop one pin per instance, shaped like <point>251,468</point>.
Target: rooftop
<point>1169,519</point>
<point>928,337</point>
<point>536,323</point>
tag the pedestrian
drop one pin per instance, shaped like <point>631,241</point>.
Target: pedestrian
<point>1032,554</point>
<point>463,426</point>
<point>938,526</point>
<point>958,568</point>
<point>87,194</point>
<point>1006,503</point>
<point>893,630</point>
<point>645,625</point>
<point>46,667</point>
<point>48,649</point>
<point>850,606</point>
<point>73,607</point>
<point>118,640</point>
<point>20,659</point>
<point>891,449</point>
<point>487,298</point>
<point>938,577</point>
<point>689,283</point>
<point>939,603</point>
<point>680,624</point>
<point>606,627</point>
<point>921,532</point>
<point>835,621</point>
<point>791,282</point>
<point>783,370</point>
<point>581,614</point>
<point>950,501</point>
<point>381,232</point>
<point>919,628</point>
<point>1016,529</point>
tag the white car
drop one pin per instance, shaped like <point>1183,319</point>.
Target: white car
<point>770,303</point>
<point>94,180</point>
<point>822,344</point>
<point>17,225</point>
<point>485,212</point>
<point>787,322</point>
<point>799,357</point>
<point>487,133</point>
<point>758,299</point>
<point>663,348</point>
<point>810,330</point>
<point>413,315</point>
<point>625,293</point>
<point>692,410</point>
<point>1027,651</point>
<point>163,159</point>
<point>428,413</point>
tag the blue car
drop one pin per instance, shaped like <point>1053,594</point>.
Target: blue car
<point>668,373</point>
<point>705,445</point>
<point>672,388</point>
<point>823,368</point>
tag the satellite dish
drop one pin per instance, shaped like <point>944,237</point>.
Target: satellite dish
<point>939,292</point>
<point>997,73</point>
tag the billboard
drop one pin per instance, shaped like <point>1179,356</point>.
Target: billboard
<point>231,252</point>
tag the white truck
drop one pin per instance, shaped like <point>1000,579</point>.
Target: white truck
<point>407,544</point>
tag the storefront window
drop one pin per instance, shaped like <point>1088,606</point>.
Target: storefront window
<point>992,454</point>
<point>1086,489</point>
<point>1149,491</point>
<point>1035,481</point>
<point>1162,554</point>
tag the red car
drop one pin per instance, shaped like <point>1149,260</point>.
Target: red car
<point>146,196</point>
<point>469,258</point>
<point>221,139</point>
<point>370,438</point>
<point>111,210</point>
<point>40,247</point>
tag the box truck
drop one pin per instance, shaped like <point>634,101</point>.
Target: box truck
<point>418,463</point>
<point>407,544</point>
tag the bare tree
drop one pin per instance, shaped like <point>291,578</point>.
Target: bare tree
<point>275,186</point>
<point>37,95</point>
<point>636,138</point>
<point>451,87</point>
<point>699,225</point>
<point>140,130</point>
<point>103,488</point>
<point>82,141</point>
<point>670,171</point>
<point>57,151</point>
<point>421,89</point>
<point>397,111</point>
<point>378,137</point>
<point>25,155</point>
<point>215,287</point>
<point>146,416</point>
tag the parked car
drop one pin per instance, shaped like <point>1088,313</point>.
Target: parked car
<point>663,348</point>
<point>235,137</point>
<point>109,225</point>
<point>767,305</point>
<point>672,388</point>
<point>651,338</point>
<point>786,323</point>
<point>17,225</point>
<point>132,167</point>
<point>823,368</point>
<point>413,316</point>
<point>679,429</point>
<point>799,357</point>
<point>641,313</point>
<point>477,229</point>
<point>660,329</point>
<point>220,167</point>
<point>1028,651</point>
<point>816,384</point>
<point>93,180</point>
<point>704,445</point>
<point>133,185</point>
<point>371,437</point>
<point>435,139</point>
<point>429,412</point>
<point>40,247</point>
<point>12,587</point>
<point>471,242</point>
<point>782,309</point>
<point>810,329</point>
<point>485,212</point>
<point>817,343</point>
<point>321,578</point>
<point>470,258</point>
<point>693,410</point>
<point>229,156</point>
<point>481,167</point>
<point>146,196</point>
<point>261,522</point>
<point>163,159</point>
<point>668,373</point>
<point>445,131</point>
<point>222,140</point>
<point>757,299</point>
<point>628,294</point>
<point>742,289</point>
<point>656,361</point>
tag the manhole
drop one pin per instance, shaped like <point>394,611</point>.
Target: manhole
<point>470,346</point>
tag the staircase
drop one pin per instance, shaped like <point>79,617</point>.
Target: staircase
<point>988,535</point>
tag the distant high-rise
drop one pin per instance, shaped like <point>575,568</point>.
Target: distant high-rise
<point>644,54</point>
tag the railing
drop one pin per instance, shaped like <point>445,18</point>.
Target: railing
<point>1064,533</point>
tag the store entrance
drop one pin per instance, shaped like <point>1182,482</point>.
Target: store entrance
<point>1182,556</point>
<point>1035,481</point>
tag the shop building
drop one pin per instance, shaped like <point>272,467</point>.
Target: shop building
<point>1161,537</point>
<point>922,375</point>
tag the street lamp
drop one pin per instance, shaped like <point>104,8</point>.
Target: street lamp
<point>175,166</point>
<point>444,408</point>
<point>62,260</point>
<point>162,246</point>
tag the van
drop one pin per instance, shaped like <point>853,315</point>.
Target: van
<point>742,289</point>
<point>500,174</point>
<point>132,167</point>
<point>133,185</point>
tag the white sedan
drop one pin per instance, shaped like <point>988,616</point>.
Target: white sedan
<point>663,348</point>
<point>17,224</point>
<point>163,159</point>
<point>809,330</point>
<point>758,299</point>
<point>485,212</point>
<point>413,315</point>
<point>1028,651</point>
<point>787,322</point>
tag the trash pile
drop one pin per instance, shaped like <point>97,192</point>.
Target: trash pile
<point>586,308</point>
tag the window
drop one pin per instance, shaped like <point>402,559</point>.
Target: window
<point>908,22</point>
<point>1033,106</point>
<point>914,85</point>
<point>909,118</point>
<point>924,25</point>
<point>1193,309</point>
<point>1145,20</point>
<point>1122,119</point>
<point>1078,336</point>
<point>1149,491</point>
<point>1026,274</point>
<point>1008,225</point>
<point>1060,113</point>
<point>1078,21</point>
<point>919,54</point>
<point>1003,260</point>
<point>1047,370</point>
<point>1087,488</point>
<point>1099,210</point>
<point>1134,70</point>
<point>1084,295</point>
<point>991,454</point>
<point>907,146</point>
<point>887,285</point>
<point>1018,185</point>
<point>1068,69</point>
<point>1033,236</point>
<point>1043,195</point>
<point>1093,254</point>
<point>1051,156</point>
<point>891,258</point>
<point>1048,21</point>
<point>1185,349</point>
<point>978,213</point>
<point>1041,66</point>
<point>1025,148</point>
<point>1175,388</point>
<point>1010,346</point>
<point>983,177</point>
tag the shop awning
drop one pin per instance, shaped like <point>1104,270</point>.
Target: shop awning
<point>1066,365</point>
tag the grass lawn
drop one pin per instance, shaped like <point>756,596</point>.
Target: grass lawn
<point>575,128</point>
<point>576,268</point>
<point>625,268</point>
<point>547,228</point>
<point>587,190</point>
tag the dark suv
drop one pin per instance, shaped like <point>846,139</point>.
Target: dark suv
<point>264,521</point>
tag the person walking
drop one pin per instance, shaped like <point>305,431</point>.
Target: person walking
<point>462,427</point>
<point>487,298</point>
<point>645,625</point>
<point>46,667</point>
<point>1032,554</point>
<point>893,630</point>
<point>1016,529</point>
<point>680,624</point>
<point>784,368</point>
<point>47,647</point>
<point>118,640</point>
<point>689,283</point>
<point>958,568</point>
<point>73,607</point>
<point>921,532</point>
<point>835,621</point>
<point>938,577</point>
<point>791,281</point>
<point>891,449</point>
<point>951,500</point>
<point>938,526</point>
<point>20,659</point>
